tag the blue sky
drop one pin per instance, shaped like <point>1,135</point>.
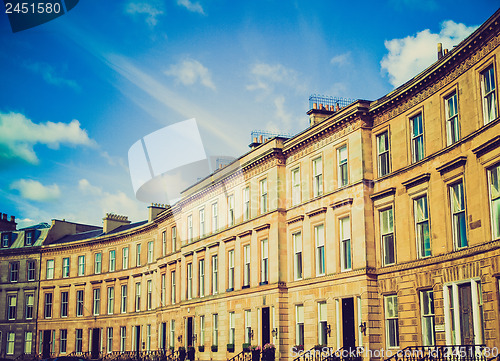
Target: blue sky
<point>78,91</point>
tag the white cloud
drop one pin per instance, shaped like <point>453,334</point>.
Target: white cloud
<point>118,203</point>
<point>194,7</point>
<point>191,71</point>
<point>150,9</point>
<point>36,191</point>
<point>409,56</point>
<point>341,59</point>
<point>18,136</point>
<point>49,74</point>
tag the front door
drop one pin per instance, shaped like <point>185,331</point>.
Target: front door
<point>46,344</point>
<point>266,337</point>
<point>348,326</point>
<point>137,340</point>
<point>164,335</point>
<point>190,331</point>
<point>96,338</point>
<point>466,318</point>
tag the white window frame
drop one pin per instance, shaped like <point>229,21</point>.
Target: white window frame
<point>138,250</point>
<point>50,269</point>
<point>202,222</point>
<point>494,200</point>
<point>137,296</point>
<point>417,139</point>
<point>387,236</point>
<point>427,317</point>
<point>96,301</point>
<point>345,243</point>
<point>391,320</point>
<point>246,266</point>
<point>422,220</point>
<point>319,238</point>
<point>201,272</point>
<point>343,166</point>
<point>125,258</point>
<point>246,203</point>
<point>111,300</point>
<point>65,267</point>
<point>123,298</point>
<point>299,325</point>
<point>112,260</point>
<point>151,251</point>
<point>172,288</point>
<point>297,255</point>
<point>488,90</point>
<point>317,166</point>
<point>215,217</point>
<point>296,194</point>
<point>97,263</point>
<point>215,280</point>
<point>230,210</point>
<point>264,261</point>
<point>189,276</point>
<point>383,154</point>
<point>458,214</point>
<point>452,121</point>
<point>230,282</point>
<point>263,196</point>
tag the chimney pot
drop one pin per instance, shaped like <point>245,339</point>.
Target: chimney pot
<point>12,218</point>
<point>315,105</point>
<point>4,216</point>
<point>440,50</point>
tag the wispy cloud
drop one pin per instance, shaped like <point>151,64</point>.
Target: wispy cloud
<point>189,72</point>
<point>151,10</point>
<point>266,77</point>
<point>118,202</point>
<point>19,135</point>
<point>50,75</point>
<point>341,59</point>
<point>35,191</point>
<point>194,7</point>
<point>411,55</point>
<point>171,99</point>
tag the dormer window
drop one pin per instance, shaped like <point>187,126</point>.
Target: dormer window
<point>29,236</point>
<point>6,239</point>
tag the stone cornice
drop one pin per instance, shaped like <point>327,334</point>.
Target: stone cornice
<point>341,203</point>
<point>384,193</point>
<point>316,212</point>
<point>295,219</point>
<point>422,178</point>
<point>262,227</point>
<point>244,233</point>
<point>452,164</point>
<point>486,147</point>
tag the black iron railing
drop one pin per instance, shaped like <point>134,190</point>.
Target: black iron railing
<point>242,356</point>
<point>326,353</point>
<point>441,353</point>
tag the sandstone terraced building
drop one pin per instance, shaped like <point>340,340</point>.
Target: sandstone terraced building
<point>377,226</point>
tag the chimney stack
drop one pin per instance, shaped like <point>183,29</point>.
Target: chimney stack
<point>440,50</point>
<point>113,221</point>
<point>155,209</point>
<point>6,225</point>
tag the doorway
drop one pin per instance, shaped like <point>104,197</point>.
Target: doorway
<point>266,337</point>
<point>348,324</point>
<point>46,344</point>
<point>466,317</point>
<point>96,340</point>
<point>189,332</point>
